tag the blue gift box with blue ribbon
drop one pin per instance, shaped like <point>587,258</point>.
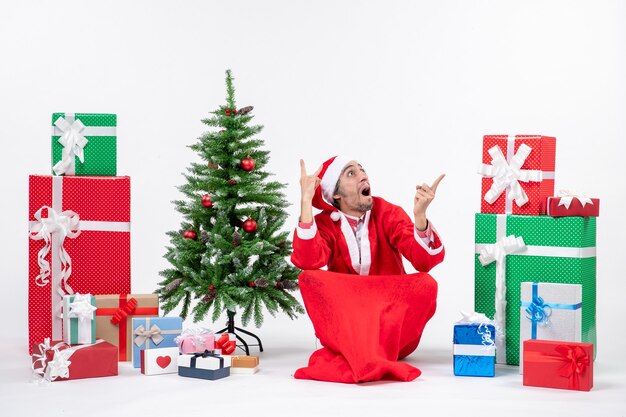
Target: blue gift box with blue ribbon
<point>474,349</point>
<point>550,311</point>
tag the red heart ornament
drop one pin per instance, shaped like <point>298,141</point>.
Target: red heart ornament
<point>163,361</point>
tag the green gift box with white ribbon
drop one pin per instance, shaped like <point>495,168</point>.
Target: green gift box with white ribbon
<point>79,319</point>
<point>511,249</point>
<point>84,144</point>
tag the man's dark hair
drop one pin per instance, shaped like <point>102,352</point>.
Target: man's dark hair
<point>336,191</point>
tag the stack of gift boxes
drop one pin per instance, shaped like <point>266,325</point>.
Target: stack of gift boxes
<point>82,317</point>
<point>535,264</point>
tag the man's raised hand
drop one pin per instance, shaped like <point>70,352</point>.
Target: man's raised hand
<point>424,195</point>
<point>308,183</point>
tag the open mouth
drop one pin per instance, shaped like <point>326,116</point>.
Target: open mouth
<point>365,190</point>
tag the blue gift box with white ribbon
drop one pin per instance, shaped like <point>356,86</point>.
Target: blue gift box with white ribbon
<point>474,349</point>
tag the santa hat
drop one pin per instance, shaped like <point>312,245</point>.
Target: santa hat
<point>329,175</point>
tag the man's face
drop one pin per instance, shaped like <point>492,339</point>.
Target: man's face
<point>353,190</point>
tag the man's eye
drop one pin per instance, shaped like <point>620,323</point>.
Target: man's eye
<point>350,173</point>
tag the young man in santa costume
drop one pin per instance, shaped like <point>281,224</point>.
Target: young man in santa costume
<point>359,234</point>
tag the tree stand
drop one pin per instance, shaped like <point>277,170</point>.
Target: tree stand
<point>230,328</point>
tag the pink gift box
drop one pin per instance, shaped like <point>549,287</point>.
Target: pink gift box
<point>195,341</point>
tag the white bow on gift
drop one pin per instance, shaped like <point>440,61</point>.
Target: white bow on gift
<point>65,224</point>
<point>497,252</point>
<point>81,308</point>
<point>73,143</point>
<point>567,196</point>
<point>473,318</point>
<point>508,175</point>
<point>58,367</point>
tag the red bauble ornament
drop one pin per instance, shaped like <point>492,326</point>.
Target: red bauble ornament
<point>227,112</point>
<point>190,234</point>
<point>232,182</point>
<point>234,111</point>
<point>249,225</point>
<point>247,164</point>
<point>211,287</point>
<point>206,201</point>
<point>251,284</point>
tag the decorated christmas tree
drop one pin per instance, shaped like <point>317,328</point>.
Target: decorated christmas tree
<point>231,252</point>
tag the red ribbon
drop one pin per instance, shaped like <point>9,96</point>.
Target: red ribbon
<point>575,361</point>
<point>120,316</point>
<point>228,346</point>
<point>124,312</point>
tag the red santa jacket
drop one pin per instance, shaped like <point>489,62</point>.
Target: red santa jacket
<point>388,234</point>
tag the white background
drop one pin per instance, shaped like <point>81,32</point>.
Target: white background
<point>407,88</point>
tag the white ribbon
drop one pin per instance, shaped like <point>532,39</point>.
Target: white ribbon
<point>82,309</point>
<point>507,174</point>
<point>73,143</point>
<point>65,224</point>
<point>568,195</point>
<point>497,253</point>
<point>474,350</point>
<point>58,367</point>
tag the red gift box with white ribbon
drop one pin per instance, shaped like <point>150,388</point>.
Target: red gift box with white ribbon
<point>79,243</point>
<point>570,203</point>
<point>58,361</point>
<point>518,174</point>
<point>558,364</point>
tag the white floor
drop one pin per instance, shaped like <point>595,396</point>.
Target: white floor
<point>274,392</point>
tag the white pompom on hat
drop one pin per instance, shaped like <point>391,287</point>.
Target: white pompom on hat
<point>329,175</point>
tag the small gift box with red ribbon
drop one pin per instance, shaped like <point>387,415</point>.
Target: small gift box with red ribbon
<point>206,365</point>
<point>159,361</point>
<point>550,311</point>
<point>114,316</point>
<point>518,173</point>
<point>58,361</point>
<point>79,319</point>
<point>195,340</point>
<point>79,243</point>
<point>154,332</point>
<point>225,344</point>
<point>570,203</point>
<point>558,364</point>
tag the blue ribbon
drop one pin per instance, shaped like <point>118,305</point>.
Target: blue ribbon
<point>538,311</point>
